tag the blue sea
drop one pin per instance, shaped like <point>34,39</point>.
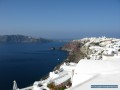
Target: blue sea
<point>27,63</point>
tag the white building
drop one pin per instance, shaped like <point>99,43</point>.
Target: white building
<point>100,72</point>
<point>110,52</point>
<point>38,86</point>
<point>63,74</point>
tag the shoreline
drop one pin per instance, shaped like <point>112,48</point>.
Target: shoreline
<point>80,52</point>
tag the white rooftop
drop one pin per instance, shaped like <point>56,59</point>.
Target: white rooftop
<point>92,72</point>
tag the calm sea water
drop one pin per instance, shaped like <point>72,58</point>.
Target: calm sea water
<point>27,63</point>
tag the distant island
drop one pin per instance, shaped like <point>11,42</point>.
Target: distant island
<point>22,39</point>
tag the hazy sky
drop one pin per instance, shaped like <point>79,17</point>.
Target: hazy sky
<point>60,18</point>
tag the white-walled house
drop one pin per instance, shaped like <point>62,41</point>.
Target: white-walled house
<point>96,72</point>
<point>63,74</point>
<point>68,66</point>
<point>38,86</point>
<point>110,52</point>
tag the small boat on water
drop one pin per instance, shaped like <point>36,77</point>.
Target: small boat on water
<point>52,48</point>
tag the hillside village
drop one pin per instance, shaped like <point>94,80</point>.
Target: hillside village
<point>91,61</point>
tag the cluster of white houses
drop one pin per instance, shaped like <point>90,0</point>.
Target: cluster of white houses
<point>101,70</point>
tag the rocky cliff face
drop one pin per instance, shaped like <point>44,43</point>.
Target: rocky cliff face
<point>21,39</point>
<point>77,50</point>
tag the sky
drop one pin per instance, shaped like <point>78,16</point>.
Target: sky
<point>60,18</point>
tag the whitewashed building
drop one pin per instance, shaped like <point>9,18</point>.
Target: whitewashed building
<point>92,72</point>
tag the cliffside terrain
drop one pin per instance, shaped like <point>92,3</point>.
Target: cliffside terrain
<point>77,50</point>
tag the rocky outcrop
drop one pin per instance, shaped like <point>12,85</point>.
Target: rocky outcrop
<point>21,39</point>
<point>77,50</point>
